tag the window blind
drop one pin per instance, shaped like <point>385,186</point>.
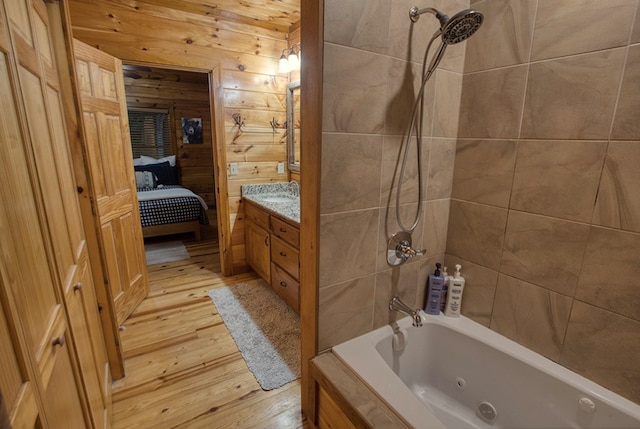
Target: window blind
<point>150,134</point>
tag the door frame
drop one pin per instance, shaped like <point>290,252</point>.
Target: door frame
<point>219,154</point>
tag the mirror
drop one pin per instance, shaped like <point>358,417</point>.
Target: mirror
<point>293,125</point>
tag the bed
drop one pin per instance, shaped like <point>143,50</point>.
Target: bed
<point>166,207</point>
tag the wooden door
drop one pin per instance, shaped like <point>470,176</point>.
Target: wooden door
<point>35,196</point>
<point>72,377</point>
<point>110,163</point>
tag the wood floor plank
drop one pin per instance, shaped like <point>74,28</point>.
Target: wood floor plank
<point>173,403</point>
<point>152,331</point>
<point>206,350</point>
<point>183,369</point>
<point>274,409</point>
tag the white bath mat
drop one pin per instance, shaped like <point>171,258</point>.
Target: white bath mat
<point>265,328</point>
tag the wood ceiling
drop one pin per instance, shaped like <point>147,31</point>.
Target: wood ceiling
<point>275,14</point>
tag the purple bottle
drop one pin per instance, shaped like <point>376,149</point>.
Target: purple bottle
<point>435,283</point>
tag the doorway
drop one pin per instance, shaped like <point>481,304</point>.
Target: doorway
<point>170,121</point>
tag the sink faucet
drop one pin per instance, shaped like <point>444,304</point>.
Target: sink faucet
<point>295,188</point>
<point>396,305</point>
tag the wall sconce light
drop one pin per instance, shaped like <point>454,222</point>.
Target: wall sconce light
<point>290,59</point>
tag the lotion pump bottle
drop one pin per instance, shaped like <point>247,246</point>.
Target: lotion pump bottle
<point>435,283</point>
<point>454,296</point>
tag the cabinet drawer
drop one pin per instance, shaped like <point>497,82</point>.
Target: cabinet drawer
<point>284,255</point>
<point>285,286</point>
<point>287,232</point>
<point>255,215</point>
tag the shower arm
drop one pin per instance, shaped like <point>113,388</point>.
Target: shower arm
<point>414,14</point>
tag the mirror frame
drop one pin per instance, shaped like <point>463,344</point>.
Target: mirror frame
<point>291,142</point>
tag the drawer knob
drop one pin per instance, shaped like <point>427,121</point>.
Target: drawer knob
<point>283,254</point>
<point>283,229</point>
<point>77,287</point>
<point>58,341</point>
<point>283,284</point>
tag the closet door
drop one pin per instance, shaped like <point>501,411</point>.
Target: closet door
<point>17,374</point>
<point>66,226</point>
<point>108,144</point>
<point>29,294</point>
<point>56,304</point>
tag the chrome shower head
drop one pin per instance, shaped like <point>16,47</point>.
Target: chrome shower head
<point>456,29</point>
<point>461,26</point>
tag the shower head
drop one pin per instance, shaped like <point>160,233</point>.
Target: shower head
<point>456,29</point>
<point>461,26</point>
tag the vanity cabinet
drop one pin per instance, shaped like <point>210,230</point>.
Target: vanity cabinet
<point>273,250</point>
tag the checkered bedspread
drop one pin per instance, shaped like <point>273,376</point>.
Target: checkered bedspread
<point>171,210</point>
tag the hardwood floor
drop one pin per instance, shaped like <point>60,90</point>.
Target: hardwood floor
<point>183,369</point>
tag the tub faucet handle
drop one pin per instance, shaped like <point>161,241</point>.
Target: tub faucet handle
<point>404,250</point>
<point>399,249</point>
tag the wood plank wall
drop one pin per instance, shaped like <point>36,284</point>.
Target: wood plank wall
<point>182,94</point>
<point>248,53</point>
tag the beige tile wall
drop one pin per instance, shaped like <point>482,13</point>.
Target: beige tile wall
<point>372,65</point>
<point>540,112</point>
<point>545,210</point>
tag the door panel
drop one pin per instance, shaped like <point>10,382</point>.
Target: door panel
<point>107,140</point>
<point>61,397</point>
<point>91,365</point>
<point>28,276</point>
<point>15,382</point>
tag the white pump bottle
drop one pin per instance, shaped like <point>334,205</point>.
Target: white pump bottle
<point>454,295</point>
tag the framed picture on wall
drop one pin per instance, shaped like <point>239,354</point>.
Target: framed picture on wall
<point>192,130</point>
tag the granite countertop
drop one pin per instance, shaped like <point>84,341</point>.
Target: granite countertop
<point>283,199</point>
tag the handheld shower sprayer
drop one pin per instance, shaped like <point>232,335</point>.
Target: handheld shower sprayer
<point>456,29</point>
<point>452,30</point>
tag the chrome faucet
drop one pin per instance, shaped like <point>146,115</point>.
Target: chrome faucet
<point>294,187</point>
<point>396,305</point>
<point>399,249</point>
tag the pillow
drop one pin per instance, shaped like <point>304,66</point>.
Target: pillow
<point>146,179</point>
<point>170,158</point>
<point>138,161</point>
<point>145,160</point>
<point>162,170</point>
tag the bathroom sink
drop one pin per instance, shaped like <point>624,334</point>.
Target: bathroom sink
<point>277,199</point>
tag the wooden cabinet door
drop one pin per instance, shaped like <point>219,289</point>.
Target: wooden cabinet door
<point>257,242</point>
<point>108,145</point>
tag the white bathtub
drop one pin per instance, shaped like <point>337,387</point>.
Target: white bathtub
<point>452,371</point>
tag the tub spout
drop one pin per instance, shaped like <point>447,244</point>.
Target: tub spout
<point>396,305</point>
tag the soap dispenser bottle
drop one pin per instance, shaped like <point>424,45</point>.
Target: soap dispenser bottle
<point>454,297</point>
<point>445,289</point>
<point>435,283</point>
